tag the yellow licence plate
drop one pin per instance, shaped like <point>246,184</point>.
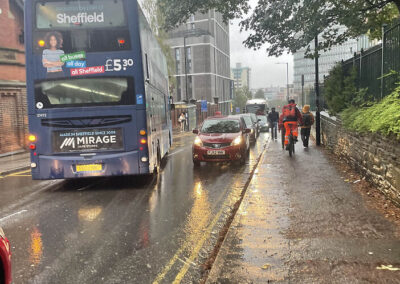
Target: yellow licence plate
<point>89,168</point>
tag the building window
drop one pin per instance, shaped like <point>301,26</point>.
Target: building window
<point>177,61</point>
<point>178,89</point>
<point>190,87</point>
<point>188,59</point>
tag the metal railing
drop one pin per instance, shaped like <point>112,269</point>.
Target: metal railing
<point>373,64</point>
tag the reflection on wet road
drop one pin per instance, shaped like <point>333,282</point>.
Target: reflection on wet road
<point>122,230</point>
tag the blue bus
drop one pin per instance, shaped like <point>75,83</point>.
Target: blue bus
<point>97,88</point>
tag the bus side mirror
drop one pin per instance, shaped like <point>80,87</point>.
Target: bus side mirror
<point>195,131</point>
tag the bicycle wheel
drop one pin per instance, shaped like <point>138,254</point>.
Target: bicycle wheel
<point>294,147</point>
<point>291,146</point>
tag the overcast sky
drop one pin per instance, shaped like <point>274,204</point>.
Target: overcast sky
<point>264,71</point>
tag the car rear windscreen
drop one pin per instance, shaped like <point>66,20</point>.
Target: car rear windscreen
<point>220,126</point>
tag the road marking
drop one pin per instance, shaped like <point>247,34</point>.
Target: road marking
<point>198,247</point>
<point>201,242</point>
<point>17,173</point>
<point>187,243</point>
<point>11,215</point>
<point>208,231</point>
<point>177,152</point>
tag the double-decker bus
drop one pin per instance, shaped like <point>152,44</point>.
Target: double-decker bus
<point>97,88</point>
<point>257,106</point>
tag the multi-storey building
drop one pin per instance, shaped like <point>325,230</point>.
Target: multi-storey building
<point>241,76</point>
<point>306,67</point>
<point>13,119</point>
<point>202,59</point>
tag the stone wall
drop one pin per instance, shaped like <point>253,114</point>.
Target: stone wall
<point>13,117</point>
<point>374,156</point>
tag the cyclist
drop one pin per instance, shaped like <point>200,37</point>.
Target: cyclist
<point>291,118</point>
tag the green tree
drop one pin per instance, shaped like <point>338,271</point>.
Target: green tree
<point>340,90</point>
<point>259,94</point>
<point>289,25</point>
<point>242,95</point>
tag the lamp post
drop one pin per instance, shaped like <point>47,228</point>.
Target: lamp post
<point>287,78</point>
<point>318,113</point>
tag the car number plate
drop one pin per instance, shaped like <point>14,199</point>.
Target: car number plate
<point>89,168</point>
<point>216,152</point>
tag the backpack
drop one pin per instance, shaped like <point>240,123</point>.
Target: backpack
<point>289,111</point>
<point>306,119</point>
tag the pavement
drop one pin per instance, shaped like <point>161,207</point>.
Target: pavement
<point>300,222</point>
<point>13,162</point>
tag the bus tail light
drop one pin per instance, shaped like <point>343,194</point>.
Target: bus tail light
<point>32,138</point>
<point>33,165</point>
<point>32,146</point>
<point>142,132</point>
<point>143,141</point>
<point>121,41</point>
<point>41,43</point>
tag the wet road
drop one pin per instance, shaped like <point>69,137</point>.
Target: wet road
<point>121,230</point>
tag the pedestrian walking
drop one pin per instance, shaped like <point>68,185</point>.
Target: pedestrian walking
<point>308,121</point>
<point>182,120</point>
<point>282,130</point>
<point>273,119</point>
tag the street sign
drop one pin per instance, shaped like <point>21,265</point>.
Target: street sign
<point>204,106</point>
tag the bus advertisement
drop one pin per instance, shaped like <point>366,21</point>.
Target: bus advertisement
<point>97,89</point>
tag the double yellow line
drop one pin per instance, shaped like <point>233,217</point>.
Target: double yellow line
<point>181,274</point>
<point>23,173</point>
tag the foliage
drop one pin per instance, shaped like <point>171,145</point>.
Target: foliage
<point>381,117</point>
<point>289,25</point>
<point>241,96</point>
<point>362,98</point>
<point>156,19</point>
<point>339,89</point>
<point>259,94</point>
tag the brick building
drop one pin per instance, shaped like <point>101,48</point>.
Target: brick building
<point>13,116</point>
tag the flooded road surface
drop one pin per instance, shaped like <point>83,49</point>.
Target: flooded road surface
<point>122,230</point>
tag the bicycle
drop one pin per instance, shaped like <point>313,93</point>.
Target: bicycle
<point>292,143</point>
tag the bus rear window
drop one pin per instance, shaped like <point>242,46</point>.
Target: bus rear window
<point>79,14</point>
<point>84,92</point>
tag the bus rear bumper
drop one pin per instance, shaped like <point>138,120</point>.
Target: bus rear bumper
<point>102,165</point>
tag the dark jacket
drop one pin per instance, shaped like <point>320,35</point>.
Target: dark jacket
<point>273,117</point>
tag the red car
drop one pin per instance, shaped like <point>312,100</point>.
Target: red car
<point>221,139</point>
<point>5,259</point>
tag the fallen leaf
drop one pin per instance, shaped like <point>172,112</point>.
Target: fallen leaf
<point>388,267</point>
<point>266,266</point>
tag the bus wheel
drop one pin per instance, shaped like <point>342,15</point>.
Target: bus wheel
<point>158,164</point>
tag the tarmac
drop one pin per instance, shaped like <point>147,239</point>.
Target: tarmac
<point>301,222</point>
<point>14,161</point>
